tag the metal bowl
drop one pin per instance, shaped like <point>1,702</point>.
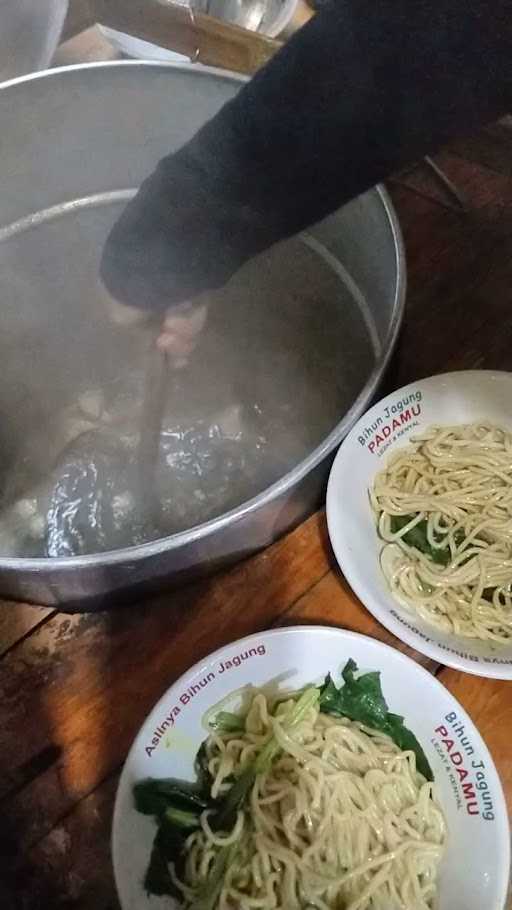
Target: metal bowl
<point>29,34</point>
<point>304,333</point>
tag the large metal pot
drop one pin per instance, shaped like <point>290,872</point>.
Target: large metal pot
<point>75,142</point>
<point>29,34</point>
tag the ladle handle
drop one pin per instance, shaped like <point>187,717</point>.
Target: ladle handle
<point>153,406</point>
<point>204,39</point>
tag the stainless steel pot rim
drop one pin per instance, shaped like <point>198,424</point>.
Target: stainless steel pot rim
<point>184,538</point>
<point>121,64</point>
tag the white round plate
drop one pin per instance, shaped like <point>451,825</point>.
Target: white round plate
<point>476,867</point>
<point>451,398</point>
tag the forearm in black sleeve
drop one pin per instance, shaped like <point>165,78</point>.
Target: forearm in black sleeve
<point>359,92</point>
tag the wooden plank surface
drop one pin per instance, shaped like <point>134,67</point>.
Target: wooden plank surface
<point>92,679</point>
<point>79,842</point>
<point>74,690</point>
<point>17,621</point>
<point>331,602</point>
<point>459,300</point>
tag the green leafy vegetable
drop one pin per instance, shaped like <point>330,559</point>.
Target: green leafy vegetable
<point>168,846</point>
<point>176,806</point>
<point>153,797</point>
<point>417,537</point>
<point>406,740</point>
<point>226,722</point>
<point>204,778</point>
<point>180,818</point>
<point>225,817</point>
<point>361,699</point>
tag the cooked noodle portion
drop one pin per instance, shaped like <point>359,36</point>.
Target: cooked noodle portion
<point>444,507</point>
<point>341,820</point>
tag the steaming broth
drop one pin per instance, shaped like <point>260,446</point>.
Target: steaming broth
<point>286,350</point>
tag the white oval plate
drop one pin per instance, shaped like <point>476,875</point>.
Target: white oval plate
<point>451,398</point>
<point>476,867</point>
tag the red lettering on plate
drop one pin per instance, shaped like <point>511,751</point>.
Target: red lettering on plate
<point>469,791</point>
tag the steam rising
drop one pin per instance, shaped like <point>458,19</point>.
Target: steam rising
<point>284,354</point>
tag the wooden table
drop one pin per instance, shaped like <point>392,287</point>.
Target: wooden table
<point>75,689</point>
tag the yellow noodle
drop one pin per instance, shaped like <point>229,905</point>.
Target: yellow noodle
<point>459,480</point>
<point>342,819</point>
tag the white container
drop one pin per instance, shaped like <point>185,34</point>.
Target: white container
<point>453,398</point>
<point>475,869</point>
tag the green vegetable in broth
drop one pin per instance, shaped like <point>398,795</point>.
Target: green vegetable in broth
<point>417,537</point>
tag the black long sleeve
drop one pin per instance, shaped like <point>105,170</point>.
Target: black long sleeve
<point>359,92</point>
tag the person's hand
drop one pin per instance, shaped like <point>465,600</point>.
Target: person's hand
<point>180,329</point>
